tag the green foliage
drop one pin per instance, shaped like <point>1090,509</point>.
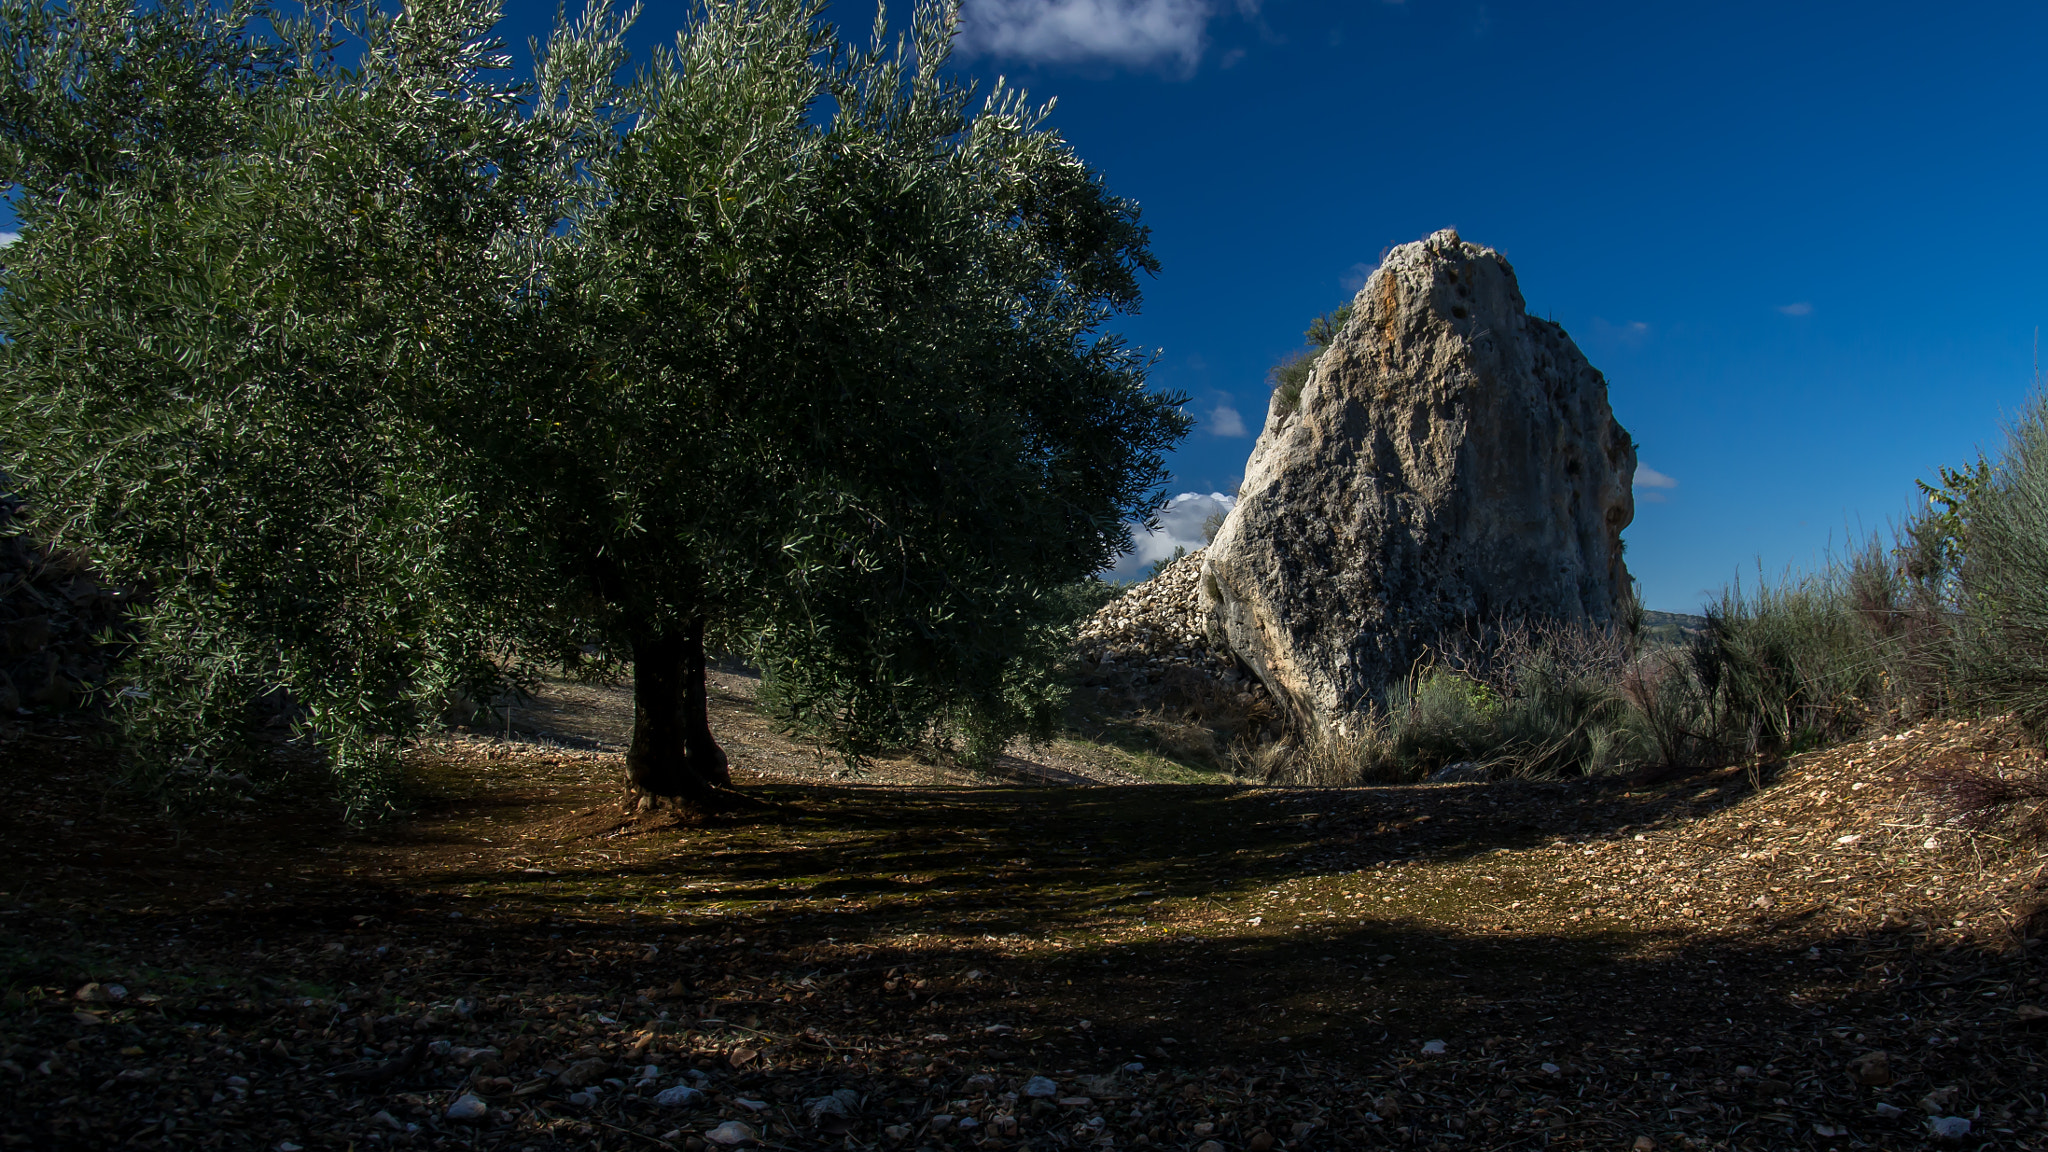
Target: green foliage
<point>1996,519</point>
<point>237,267</point>
<point>1777,668</point>
<point>383,380</point>
<point>1789,665</point>
<point>1160,565</point>
<point>1073,604</point>
<point>1526,700</point>
<point>1322,331</point>
<point>1290,375</point>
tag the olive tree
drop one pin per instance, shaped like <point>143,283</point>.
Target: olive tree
<point>246,271</point>
<point>387,372</point>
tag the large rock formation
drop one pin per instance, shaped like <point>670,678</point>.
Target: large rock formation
<point>1452,460</point>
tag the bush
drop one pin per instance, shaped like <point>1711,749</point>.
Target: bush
<point>1291,375</point>
<point>1777,668</point>
<point>1787,666</point>
<point>2000,528</point>
<point>1073,604</point>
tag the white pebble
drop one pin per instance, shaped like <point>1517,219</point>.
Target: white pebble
<point>729,1133</point>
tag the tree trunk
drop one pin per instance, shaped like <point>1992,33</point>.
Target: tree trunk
<point>673,753</point>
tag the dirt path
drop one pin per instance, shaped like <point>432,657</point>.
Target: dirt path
<point>1695,964</point>
<point>600,718</point>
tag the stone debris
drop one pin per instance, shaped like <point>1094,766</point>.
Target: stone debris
<point>730,1133</point>
<point>680,1096</point>
<point>468,1108</point>
<point>1872,1068</point>
<point>833,1111</point>
<point>583,1073</point>
<point>1949,1127</point>
<point>1147,652</point>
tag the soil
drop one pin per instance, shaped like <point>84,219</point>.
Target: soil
<point>600,717</point>
<point>1813,954</point>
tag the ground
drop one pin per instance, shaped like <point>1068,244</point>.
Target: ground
<point>1710,961</point>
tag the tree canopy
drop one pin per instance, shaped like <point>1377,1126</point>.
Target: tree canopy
<point>384,376</point>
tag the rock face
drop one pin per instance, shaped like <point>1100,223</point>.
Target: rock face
<point>1452,460</point>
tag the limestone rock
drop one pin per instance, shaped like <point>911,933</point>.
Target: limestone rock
<point>1452,460</point>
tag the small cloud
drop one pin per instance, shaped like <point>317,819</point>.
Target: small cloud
<point>1129,32</point>
<point>1482,22</point>
<point>1630,334</point>
<point>7,238</point>
<point>1356,275</point>
<point>1231,58</point>
<point>1225,420</point>
<point>1648,483</point>
<point>1180,526</point>
<point>1800,309</point>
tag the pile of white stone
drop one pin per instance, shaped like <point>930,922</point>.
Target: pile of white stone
<point>1158,620</point>
<point>1148,652</point>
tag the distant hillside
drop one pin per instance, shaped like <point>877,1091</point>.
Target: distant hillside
<point>1671,627</point>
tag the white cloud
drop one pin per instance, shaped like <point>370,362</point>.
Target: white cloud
<point>1180,526</point>
<point>1355,277</point>
<point>1648,480</point>
<point>1628,334</point>
<point>1225,420</point>
<point>1129,32</point>
<point>7,238</point>
<point>1800,309</point>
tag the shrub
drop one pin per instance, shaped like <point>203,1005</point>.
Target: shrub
<point>1290,375</point>
<point>2000,528</point>
<point>1777,667</point>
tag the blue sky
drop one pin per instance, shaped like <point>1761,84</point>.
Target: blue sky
<point>1805,243</point>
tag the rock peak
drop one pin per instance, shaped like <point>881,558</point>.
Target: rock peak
<point>1451,461</point>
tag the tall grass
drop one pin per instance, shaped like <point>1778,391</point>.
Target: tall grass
<point>1780,666</point>
<point>2000,521</point>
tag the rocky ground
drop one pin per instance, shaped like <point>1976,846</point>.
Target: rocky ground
<point>1816,955</point>
<point>599,717</point>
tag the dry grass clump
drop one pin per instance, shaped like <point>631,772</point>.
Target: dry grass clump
<point>1778,668</point>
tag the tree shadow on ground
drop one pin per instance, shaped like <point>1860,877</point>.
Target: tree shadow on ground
<point>925,934</point>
